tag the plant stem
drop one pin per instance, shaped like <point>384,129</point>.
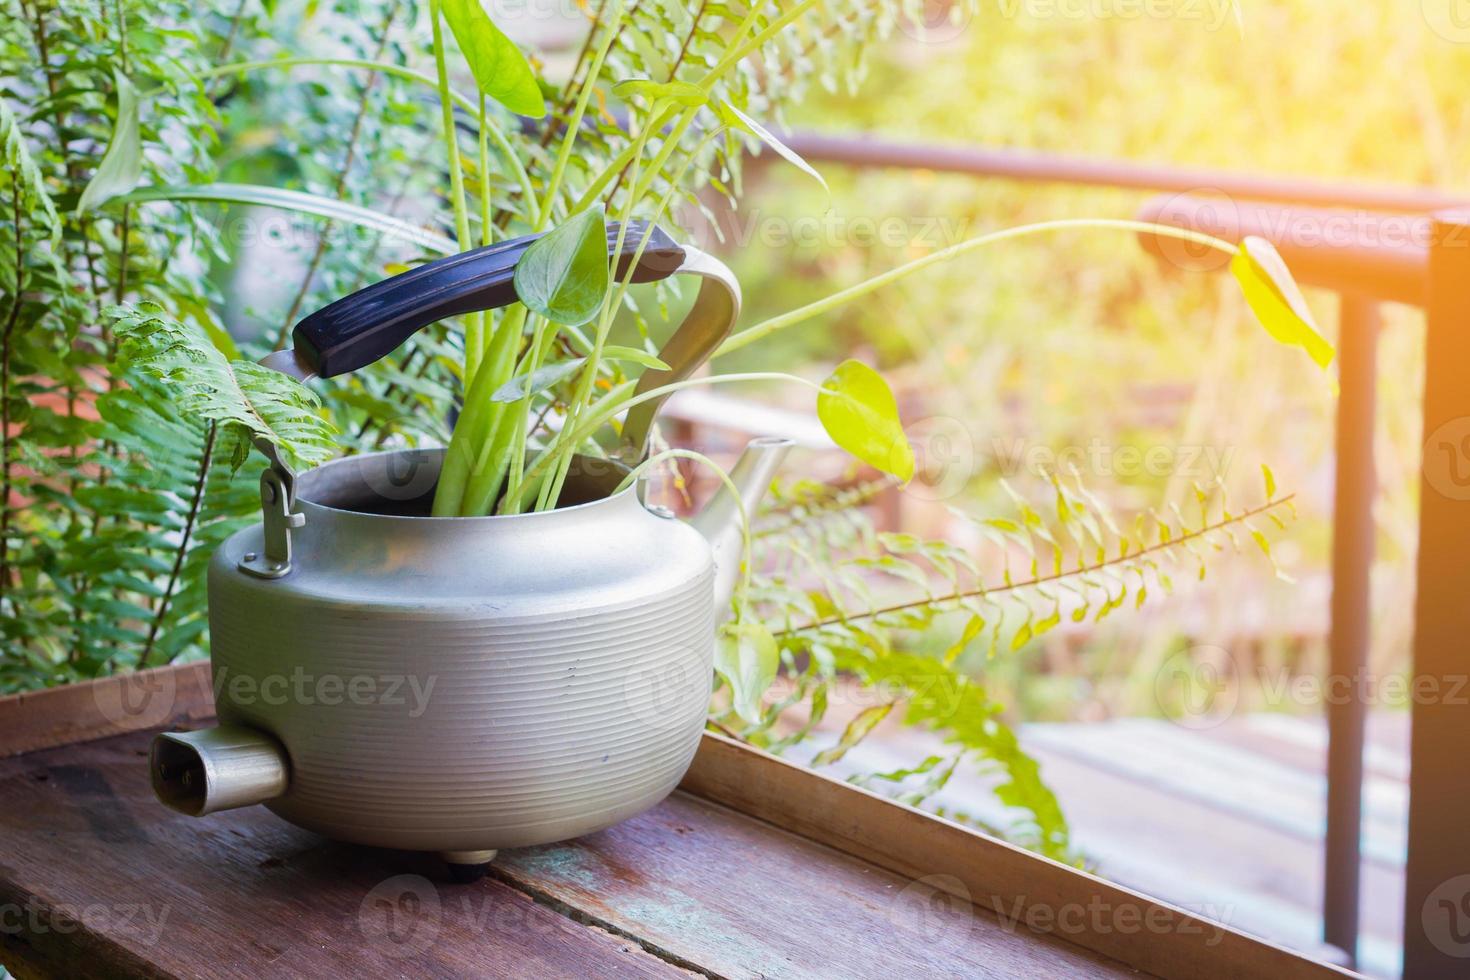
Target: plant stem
<point>600,415</point>
<point>766,327</point>
<point>124,226</point>
<point>181,551</point>
<point>978,591</point>
<point>10,322</point>
<point>497,135</point>
<point>553,185</point>
<point>353,136</point>
<point>472,352</point>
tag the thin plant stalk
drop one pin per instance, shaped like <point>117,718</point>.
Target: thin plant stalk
<point>766,327</point>
<point>496,134</point>
<point>474,341</point>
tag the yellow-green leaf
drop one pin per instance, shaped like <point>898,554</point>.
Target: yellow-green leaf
<point>1022,636</point>
<point>748,659</point>
<point>739,120</point>
<point>500,70</point>
<point>859,412</point>
<point>856,731</point>
<point>973,626</point>
<point>635,355</point>
<point>686,94</point>
<point>1276,300</point>
<point>1270,481</point>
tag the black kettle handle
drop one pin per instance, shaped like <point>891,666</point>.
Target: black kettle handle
<point>359,329</point>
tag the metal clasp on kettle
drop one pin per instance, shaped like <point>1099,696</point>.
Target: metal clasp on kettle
<point>278,518</point>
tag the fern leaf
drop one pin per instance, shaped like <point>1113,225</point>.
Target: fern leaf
<point>247,400</point>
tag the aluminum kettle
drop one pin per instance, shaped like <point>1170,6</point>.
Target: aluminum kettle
<point>464,684</point>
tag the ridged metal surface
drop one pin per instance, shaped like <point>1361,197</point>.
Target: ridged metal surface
<point>562,664</point>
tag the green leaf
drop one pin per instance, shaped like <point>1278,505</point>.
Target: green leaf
<point>248,400</point>
<point>525,385</point>
<point>299,201</point>
<point>1270,481</point>
<point>856,730</point>
<point>24,173</point>
<point>122,165</point>
<point>617,352</point>
<point>500,70</point>
<point>1277,302</point>
<point>1022,636</point>
<point>748,659</point>
<point>860,413</point>
<point>973,627</point>
<point>564,276</point>
<point>686,94</point>
<point>740,120</point>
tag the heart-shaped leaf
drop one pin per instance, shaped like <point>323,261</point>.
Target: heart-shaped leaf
<point>748,659</point>
<point>686,94</point>
<point>1276,300</point>
<point>500,70</point>
<point>740,120</point>
<point>122,165</point>
<point>860,413</point>
<point>525,385</point>
<point>563,275</point>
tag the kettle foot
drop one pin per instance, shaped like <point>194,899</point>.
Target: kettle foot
<point>466,867</point>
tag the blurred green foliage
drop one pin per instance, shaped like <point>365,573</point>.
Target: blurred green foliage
<point>1080,345</point>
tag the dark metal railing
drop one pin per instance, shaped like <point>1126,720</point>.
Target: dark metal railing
<point>1370,245</point>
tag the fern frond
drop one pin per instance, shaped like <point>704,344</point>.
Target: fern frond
<point>247,400</point>
<point>25,173</point>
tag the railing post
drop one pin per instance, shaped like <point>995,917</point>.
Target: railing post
<point>1352,560</point>
<point>1437,885</point>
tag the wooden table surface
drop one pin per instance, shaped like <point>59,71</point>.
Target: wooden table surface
<point>99,880</point>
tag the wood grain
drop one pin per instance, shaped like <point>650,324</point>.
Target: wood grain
<point>1015,885</point>
<point>148,699</point>
<point>740,898</point>
<point>802,876</point>
<point>98,880</point>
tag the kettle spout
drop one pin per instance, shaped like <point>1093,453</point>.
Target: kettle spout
<point>217,769</point>
<point>719,521</point>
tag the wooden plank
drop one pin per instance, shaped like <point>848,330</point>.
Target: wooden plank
<point>741,898</point>
<point>149,699</point>
<point>98,880</point>
<point>1437,881</point>
<point>945,872</point>
<point>1016,885</point>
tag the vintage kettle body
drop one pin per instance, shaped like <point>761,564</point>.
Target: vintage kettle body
<point>463,684</point>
